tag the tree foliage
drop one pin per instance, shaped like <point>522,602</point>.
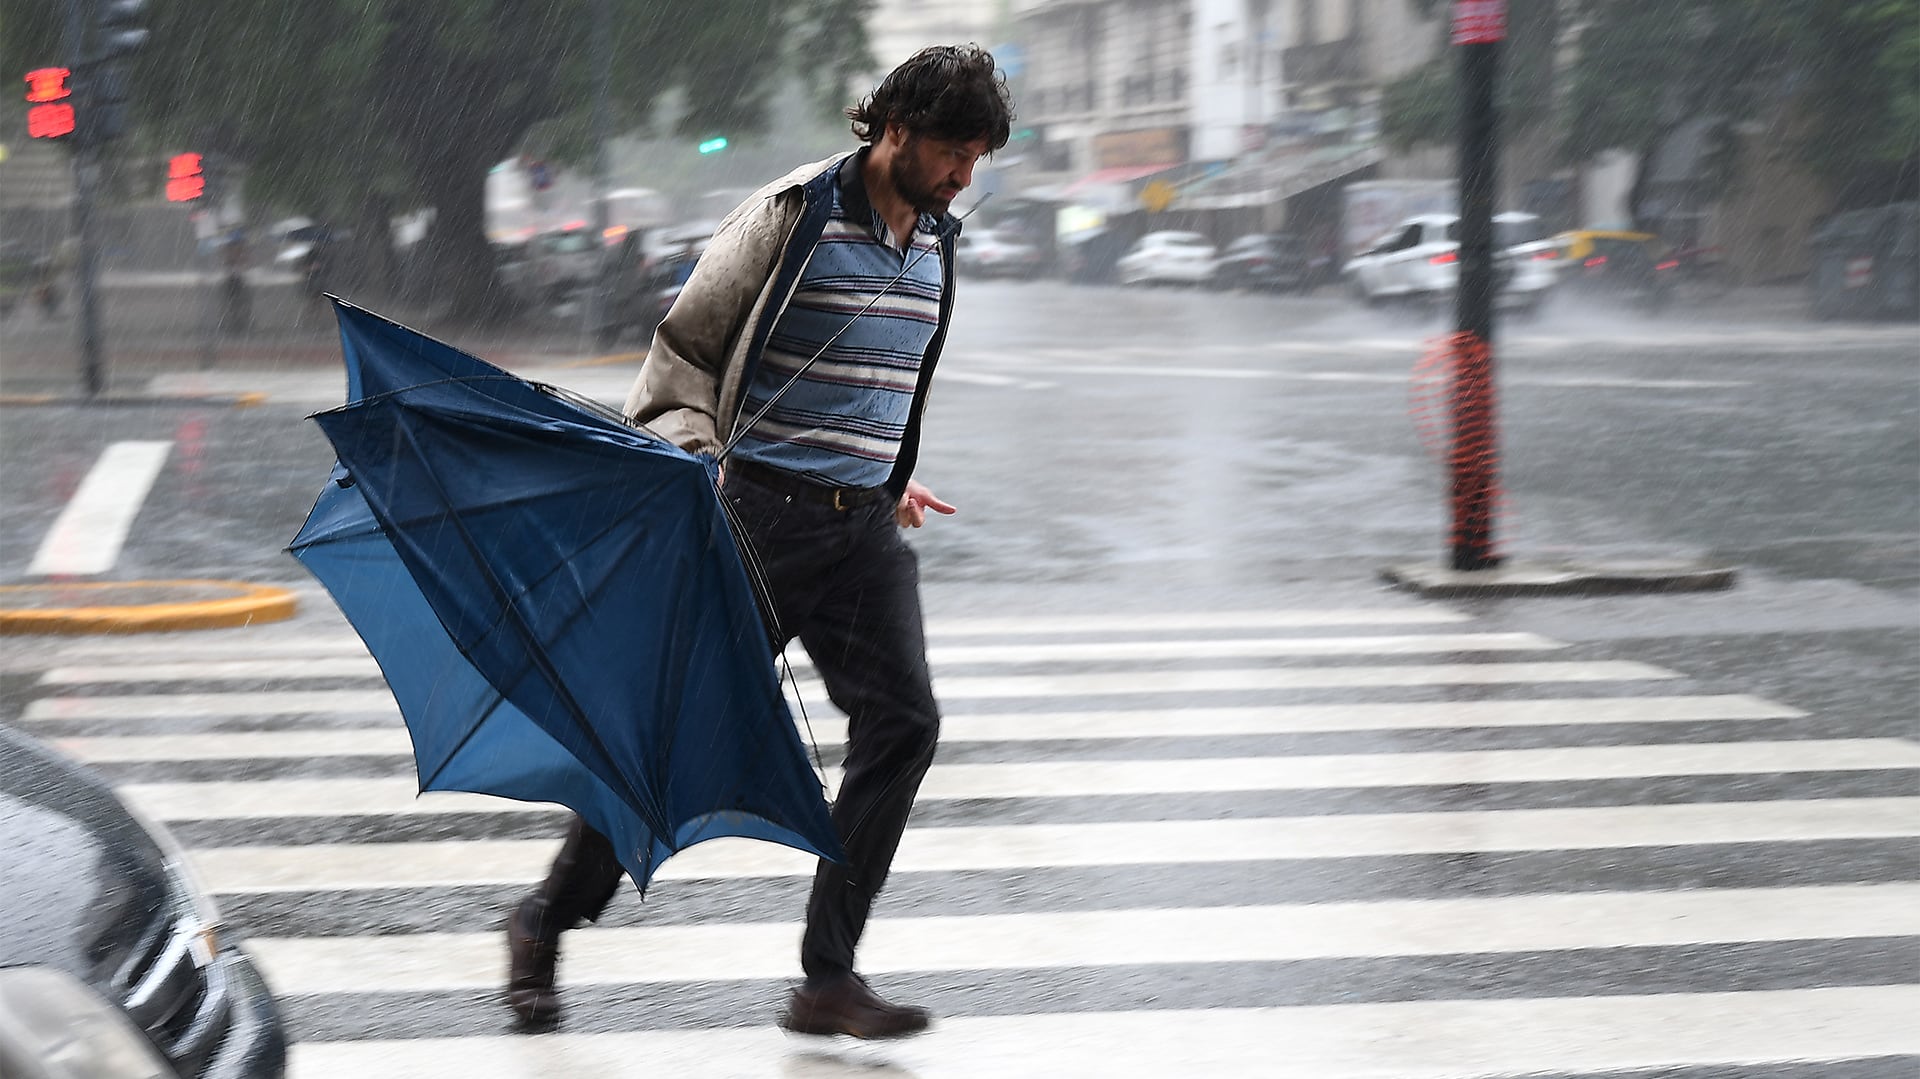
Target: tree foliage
<point>1422,108</point>
<point>357,108</point>
<point>1839,82</point>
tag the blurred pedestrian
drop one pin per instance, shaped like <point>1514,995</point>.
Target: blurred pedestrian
<point>817,464</point>
<point>236,299</point>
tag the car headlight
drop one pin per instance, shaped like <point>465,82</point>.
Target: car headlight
<point>52,1026</point>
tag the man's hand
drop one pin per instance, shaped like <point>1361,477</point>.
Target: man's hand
<point>913,507</point>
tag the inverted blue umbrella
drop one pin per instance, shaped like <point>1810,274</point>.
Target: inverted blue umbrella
<point>557,603</point>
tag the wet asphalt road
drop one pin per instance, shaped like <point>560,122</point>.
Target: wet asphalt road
<point>1163,451</point>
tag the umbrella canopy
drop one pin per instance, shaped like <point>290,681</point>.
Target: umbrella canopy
<point>556,602</point>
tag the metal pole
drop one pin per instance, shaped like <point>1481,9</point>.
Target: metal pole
<point>1478,27</point>
<point>602,218</point>
<point>211,262</point>
<point>86,168</point>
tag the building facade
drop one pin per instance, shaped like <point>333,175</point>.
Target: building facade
<point>896,29</point>
<point>1129,83</point>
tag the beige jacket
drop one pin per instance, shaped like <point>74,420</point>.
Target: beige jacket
<point>689,389</point>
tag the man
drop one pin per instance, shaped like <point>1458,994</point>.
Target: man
<point>817,462</point>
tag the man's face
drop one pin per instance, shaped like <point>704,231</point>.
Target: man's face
<point>930,173</point>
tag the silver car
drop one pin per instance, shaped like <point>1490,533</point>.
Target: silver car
<point>1182,258</point>
<point>111,950</point>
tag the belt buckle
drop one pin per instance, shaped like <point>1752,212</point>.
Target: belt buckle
<point>839,499</point>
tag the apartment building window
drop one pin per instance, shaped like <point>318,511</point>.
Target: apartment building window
<point>1229,50</point>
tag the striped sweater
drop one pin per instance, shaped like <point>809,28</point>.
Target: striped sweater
<point>841,422</point>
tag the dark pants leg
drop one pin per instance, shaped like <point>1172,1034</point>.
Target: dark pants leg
<point>848,585</point>
<point>584,876</point>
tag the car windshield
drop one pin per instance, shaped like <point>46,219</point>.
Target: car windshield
<point>1512,233</point>
<point>1509,233</point>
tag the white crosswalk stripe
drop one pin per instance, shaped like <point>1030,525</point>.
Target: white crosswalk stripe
<point>455,863</point>
<point>391,739</point>
<point>1320,821</point>
<point>1068,779</point>
<point>441,961</point>
<point>1456,1039</point>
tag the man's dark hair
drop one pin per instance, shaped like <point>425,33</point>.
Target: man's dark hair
<point>944,92</point>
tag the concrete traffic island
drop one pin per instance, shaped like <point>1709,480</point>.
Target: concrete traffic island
<point>1521,578</point>
<point>80,607</point>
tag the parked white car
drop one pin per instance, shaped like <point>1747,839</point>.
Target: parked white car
<point>990,253</point>
<point>1418,261</point>
<point>1180,257</point>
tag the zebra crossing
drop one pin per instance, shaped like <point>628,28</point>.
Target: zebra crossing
<point>1381,841</point>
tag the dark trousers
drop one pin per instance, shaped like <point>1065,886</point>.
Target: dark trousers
<point>847,585</point>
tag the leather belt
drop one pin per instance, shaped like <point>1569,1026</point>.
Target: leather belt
<point>777,479</point>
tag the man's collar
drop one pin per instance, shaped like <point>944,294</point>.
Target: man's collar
<point>853,186</point>
<point>859,207</point>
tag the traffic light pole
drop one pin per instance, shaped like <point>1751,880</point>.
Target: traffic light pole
<point>86,171</point>
<point>595,313</point>
<point>1479,26</point>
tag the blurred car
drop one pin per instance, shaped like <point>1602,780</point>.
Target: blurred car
<point>644,274</point>
<point>27,277</point>
<point>1184,258</point>
<point>1616,264</point>
<point>1088,256</point>
<point>995,253</point>
<point>1866,263</point>
<point>311,250</point>
<point>1418,261</point>
<point>563,262</point>
<point>1262,260</point>
<point>112,952</point>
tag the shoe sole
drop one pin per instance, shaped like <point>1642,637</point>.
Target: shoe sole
<point>792,1027</point>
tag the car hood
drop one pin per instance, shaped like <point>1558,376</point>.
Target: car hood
<point>84,880</point>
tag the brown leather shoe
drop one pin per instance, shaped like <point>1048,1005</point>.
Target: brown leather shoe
<point>848,1006</point>
<point>533,949</point>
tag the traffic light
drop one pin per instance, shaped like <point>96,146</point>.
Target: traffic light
<point>116,35</point>
<point>185,180</point>
<point>51,116</point>
<point>714,145</point>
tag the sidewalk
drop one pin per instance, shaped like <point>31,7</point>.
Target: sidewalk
<point>40,361</point>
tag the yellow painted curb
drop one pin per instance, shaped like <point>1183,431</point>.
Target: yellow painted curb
<point>248,603</point>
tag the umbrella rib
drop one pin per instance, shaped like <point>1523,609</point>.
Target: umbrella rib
<point>426,782</point>
<point>757,577</point>
<point>527,637</point>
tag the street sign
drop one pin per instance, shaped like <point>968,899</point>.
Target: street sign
<point>185,181</point>
<point>1157,196</point>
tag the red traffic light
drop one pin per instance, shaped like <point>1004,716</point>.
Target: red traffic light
<point>50,117</point>
<point>185,181</point>
<point>50,121</point>
<point>48,84</point>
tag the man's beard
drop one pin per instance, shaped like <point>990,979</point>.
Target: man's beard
<point>920,194</point>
